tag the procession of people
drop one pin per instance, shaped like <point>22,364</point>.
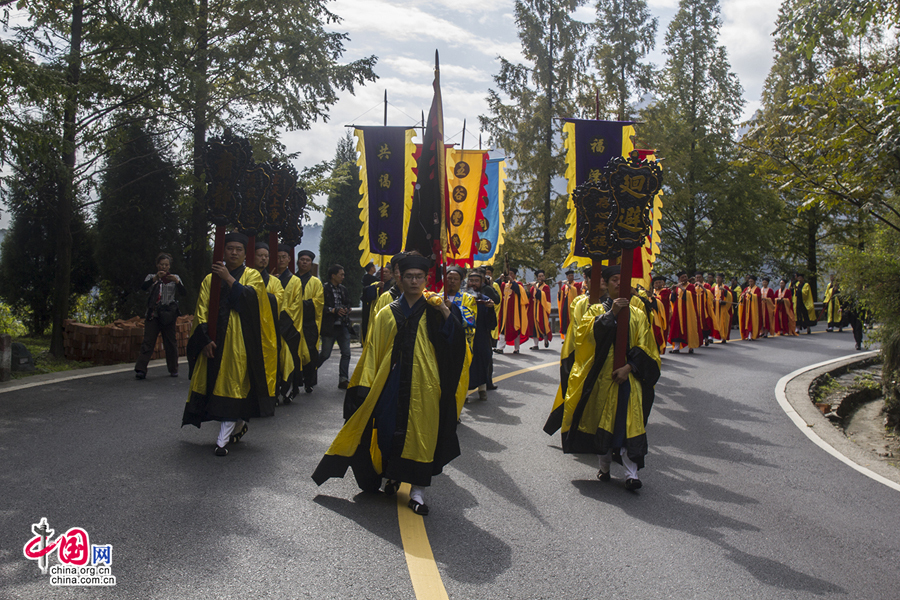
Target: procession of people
<point>425,353</point>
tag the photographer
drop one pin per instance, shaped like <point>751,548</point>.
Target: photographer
<point>162,312</point>
<point>336,323</point>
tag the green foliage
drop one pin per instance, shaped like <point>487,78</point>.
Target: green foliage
<point>525,127</point>
<point>98,307</point>
<point>625,34</point>
<point>29,260</point>
<point>714,213</point>
<point>340,232</point>
<point>137,217</point>
<point>9,322</point>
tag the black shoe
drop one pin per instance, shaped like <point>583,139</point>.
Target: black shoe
<point>418,507</point>
<point>724,341</point>
<point>308,389</point>
<point>690,350</point>
<point>139,375</point>
<point>633,484</point>
<point>859,346</point>
<point>173,374</point>
<point>603,476</point>
<point>342,385</point>
<point>391,487</point>
<point>220,451</point>
<point>676,351</point>
<point>492,387</point>
<point>235,438</point>
<point>546,343</point>
<point>498,351</point>
<point>706,342</point>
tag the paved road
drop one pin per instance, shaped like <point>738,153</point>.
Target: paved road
<point>737,502</point>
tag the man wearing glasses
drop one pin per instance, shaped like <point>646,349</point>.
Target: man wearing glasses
<point>400,408</point>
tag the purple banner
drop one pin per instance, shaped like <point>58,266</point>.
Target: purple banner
<point>385,156</point>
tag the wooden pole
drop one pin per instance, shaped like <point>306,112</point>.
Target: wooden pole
<point>215,284</point>
<point>620,357</point>
<point>273,251</point>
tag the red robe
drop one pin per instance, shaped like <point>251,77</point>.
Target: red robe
<point>539,313</point>
<point>567,295</point>
<point>750,313</point>
<point>684,326</point>
<point>785,321</point>
<point>514,313</point>
<point>722,313</point>
<point>768,310</point>
<point>660,324</point>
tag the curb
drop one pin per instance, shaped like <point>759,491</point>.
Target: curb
<point>61,376</point>
<point>792,393</point>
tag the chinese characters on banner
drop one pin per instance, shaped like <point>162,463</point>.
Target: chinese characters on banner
<point>386,182</point>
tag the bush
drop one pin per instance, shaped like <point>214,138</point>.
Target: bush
<point>9,323</point>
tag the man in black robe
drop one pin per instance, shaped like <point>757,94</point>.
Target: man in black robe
<point>481,371</point>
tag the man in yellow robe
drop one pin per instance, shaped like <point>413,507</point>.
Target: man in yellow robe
<point>833,314</point>
<point>313,309</point>
<point>401,407</point>
<point>228,374</point>
<point>750,310</point>
<point>280,365</point>
<point>605,411</point>
<point>290,322</point>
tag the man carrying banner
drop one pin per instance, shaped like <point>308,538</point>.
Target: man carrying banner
<point>227,369</point>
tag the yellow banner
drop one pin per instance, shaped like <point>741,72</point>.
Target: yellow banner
<point>466,185</point>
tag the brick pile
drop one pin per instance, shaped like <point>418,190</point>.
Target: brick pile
<point>119,342</point>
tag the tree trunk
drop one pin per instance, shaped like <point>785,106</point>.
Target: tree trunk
<point>812,260</point>
<point>63,280</point>
<point>199,229</point>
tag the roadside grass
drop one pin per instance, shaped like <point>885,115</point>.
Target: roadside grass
<point>39,346</point>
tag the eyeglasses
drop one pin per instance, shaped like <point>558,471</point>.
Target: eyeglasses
<point>413,277</point>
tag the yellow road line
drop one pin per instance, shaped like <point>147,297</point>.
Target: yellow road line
<point>423,571</point>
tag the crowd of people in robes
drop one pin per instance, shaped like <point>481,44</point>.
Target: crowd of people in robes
<point>425,354</point>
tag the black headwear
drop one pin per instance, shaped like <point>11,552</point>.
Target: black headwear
<point>570,272</point>
<point>609,271</point>
<point>415,261</point>
<point>586,272</point>
<point>289,250</point>
<point>658,278</point>
<point>538,272</point>
<point>309,253</point>
<point>262,246</point>
<point>237,237</point>
<point>395,260</point>
<point>457,269</point>
<point>680,273</point>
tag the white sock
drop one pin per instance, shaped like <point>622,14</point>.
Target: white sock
<point>225,430</point>
<point>416,493</point>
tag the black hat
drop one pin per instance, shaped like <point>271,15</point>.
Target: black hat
<point>479,272</point>
<point>570,272</point>
<point>395,260</point>
<point>457,269</point>
<point>680,273</point>
<point>262,246</point>
<point>658,278</point>
<point>237,237</point>
<point>539,272</point>
<point>309,253</point>
<point>609,271</point>
<point>489,268</point>
<point>586,272</point>
<point>414,261</point>
<point>289,250</point>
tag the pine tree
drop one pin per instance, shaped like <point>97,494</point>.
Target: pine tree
<point>340,232</point>
<point>693,124</point>
<point>625,33</point>
<point>527,130</point>
<point>137,217</point>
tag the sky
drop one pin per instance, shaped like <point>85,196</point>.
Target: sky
<point>470,36</point>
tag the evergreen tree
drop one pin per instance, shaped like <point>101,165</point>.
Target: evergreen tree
<point>527,130</point>
<point>340,232</point>
<point>625,33</point>
<point>29,260</point>
<point>137,217</point>
<point>693,124</point>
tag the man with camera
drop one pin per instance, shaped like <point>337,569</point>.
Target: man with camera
<point>336,323</point>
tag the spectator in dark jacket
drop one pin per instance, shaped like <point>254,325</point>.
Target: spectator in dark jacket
<point>162,312</point>
<point>336,323</point>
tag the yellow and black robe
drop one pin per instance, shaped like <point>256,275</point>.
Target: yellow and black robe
<point>313,307</point>
<point>279,367</point>
<point>597,415</point>
<point>400,407</point>
<point>290,326</point>
<point>233,385</point>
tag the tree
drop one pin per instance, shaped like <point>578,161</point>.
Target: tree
<point>256,68</point>
<point>625,34</point>
<point>137,216</point>
<point>340,232</point>
<point>526,128</point>
<point>29,259</point>
<point>693,125</point>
